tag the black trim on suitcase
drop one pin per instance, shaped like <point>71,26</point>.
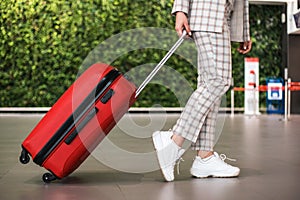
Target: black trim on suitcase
<point>76,117</point>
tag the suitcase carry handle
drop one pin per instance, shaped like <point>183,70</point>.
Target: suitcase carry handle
<point>81,125</point>
<point>160,64</point>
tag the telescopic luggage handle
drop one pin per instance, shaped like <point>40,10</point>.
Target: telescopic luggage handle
<point>160,64</point>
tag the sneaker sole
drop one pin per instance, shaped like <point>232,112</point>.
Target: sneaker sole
<point>197,175</point>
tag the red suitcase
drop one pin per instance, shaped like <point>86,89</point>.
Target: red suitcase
<point>81,118</point>
<point>78,121</point>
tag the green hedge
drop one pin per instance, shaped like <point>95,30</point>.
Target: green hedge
<point>44,44</point>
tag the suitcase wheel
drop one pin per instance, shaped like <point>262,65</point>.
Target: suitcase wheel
<point>24,157</point>
<point>48,177</point>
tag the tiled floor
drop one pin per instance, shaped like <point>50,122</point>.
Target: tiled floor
<point>267,150</point>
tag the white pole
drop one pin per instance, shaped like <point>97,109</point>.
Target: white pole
<point>285,93</point>
<point>232,98</point>
<point>254,96</point>
<point>289,99</point>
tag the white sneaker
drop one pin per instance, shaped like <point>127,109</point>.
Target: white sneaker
<point>167,151</point>
<point>213,166</point>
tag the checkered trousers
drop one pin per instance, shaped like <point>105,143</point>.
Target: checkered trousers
<point>197,122</point>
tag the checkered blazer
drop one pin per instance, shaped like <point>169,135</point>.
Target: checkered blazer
<point>208,15</point>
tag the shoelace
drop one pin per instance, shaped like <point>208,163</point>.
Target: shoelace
<point>177,163</point>
<point>180,159</point>
<point>224,157</point>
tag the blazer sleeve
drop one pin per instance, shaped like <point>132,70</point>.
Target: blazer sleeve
<point>246,24</point>
<point>239,23</point>
<point>181,6</point>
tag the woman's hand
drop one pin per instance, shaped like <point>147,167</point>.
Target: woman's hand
<point>245,47</point>
<point>182,23</point>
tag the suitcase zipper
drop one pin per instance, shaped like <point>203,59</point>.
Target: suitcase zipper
<point>77,116</point>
